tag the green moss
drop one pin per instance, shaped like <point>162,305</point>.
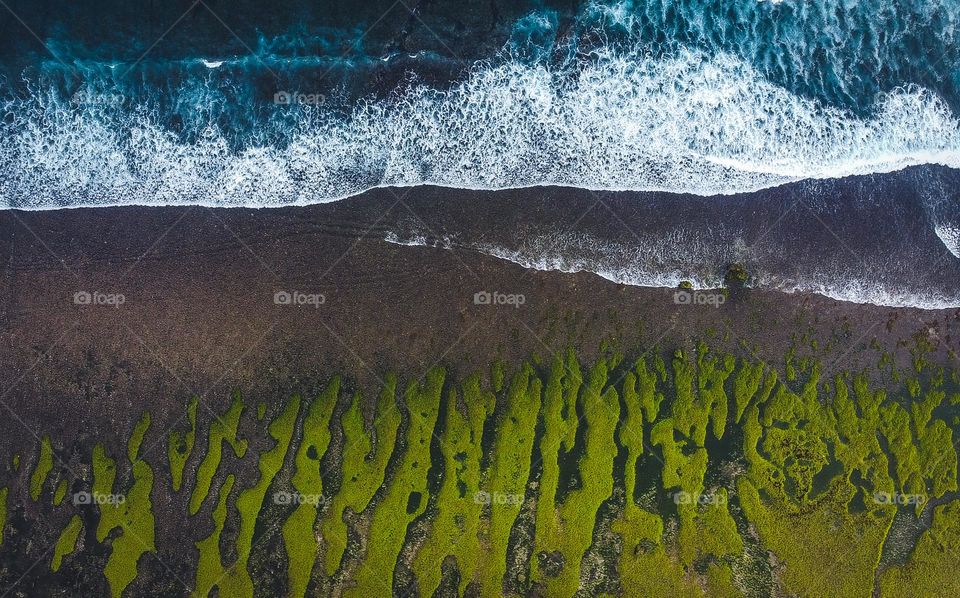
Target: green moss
<point>685,285</point>
<point>455,531</point>
<point>16,462</point>
<point>3,511</point>
<point>43,468</point>
<point>236,580</point>
<point>932,567</point>
<point>570,532</point>
<point>221,430</point>
<point>560,421</point>
<point>261,411</point>
<point>299,537</point>
<point>498,373</point>
<point>60,493</point>
<point>180,446</point>
<point>364,467</point>
<point>746,383</point>
<point>133,515</point>
<point>66,543</point>
<point>209,565</point>
<point>736,274</point>
<point>405,497</point>
<point>508,473</point>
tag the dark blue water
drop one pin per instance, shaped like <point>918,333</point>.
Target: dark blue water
<point>287,103</point>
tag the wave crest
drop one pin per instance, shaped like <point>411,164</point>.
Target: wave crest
<point>688,123</point>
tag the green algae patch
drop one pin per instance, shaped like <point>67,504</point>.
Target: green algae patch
<point>568,527</point>
<point>789,441</point>
<point>210,568</point>
<point>405,497</point>
<point>364,467</point>
<point>43,468</point>
<point>3,511</point>
<point>299,537</point>
<point>644,566</point>
<point>560,421</point>
<point>506,480</point>
<point>60,493</point>
<point>180,446</point>
<point>932,567</point>
<point>455,531</point>
<point>66,543</point>
<point>235,579</point>
<point>222,430</point>
<point>130,512</point>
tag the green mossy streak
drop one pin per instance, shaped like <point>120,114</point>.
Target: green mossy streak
<point>67,542</point>
<point>222,430</point>
<point>299,537</point>
<point>43,468</point>
<point>364,467</point>
<point>133,515</point>
<point>180,446</point>
<point>395,511</point>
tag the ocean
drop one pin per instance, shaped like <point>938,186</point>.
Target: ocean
<point>830,111</point>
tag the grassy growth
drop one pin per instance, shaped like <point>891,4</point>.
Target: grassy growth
<point>60,493</point>
<point>405,497</point>
<point>363,467</point>
<point>932,568</point>
<point>236,579</point>
<point>221,430</point>
<point>645,567</point>
<point>179,446</point>
<point>133,515</point>
<point>67,542</point>
<point>455,529</point>
<point>209,565</point>
<point>3,511</point>
<point>560,421</point>
<point>571,532</point>
<point>43,468</point>
<point>508,473</point>
<point>806,460</point>
<point>299,537</point>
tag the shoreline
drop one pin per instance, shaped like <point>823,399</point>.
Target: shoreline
<point>199,286</point>
<point>199,317</point>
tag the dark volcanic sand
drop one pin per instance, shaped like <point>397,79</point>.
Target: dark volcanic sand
<point>199,313</point>
<point>199,317</point>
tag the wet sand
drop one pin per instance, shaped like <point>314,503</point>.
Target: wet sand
<point>199,314</point>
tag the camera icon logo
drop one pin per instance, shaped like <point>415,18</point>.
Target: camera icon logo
<point>282,298</point>
<point>82,298</point>
<point>482,298</point>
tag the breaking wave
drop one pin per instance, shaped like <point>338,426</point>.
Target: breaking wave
<point>687,123</point>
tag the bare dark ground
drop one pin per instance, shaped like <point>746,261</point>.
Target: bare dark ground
<point>199,317</point>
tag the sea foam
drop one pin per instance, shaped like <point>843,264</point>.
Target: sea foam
<point>687,123</point>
